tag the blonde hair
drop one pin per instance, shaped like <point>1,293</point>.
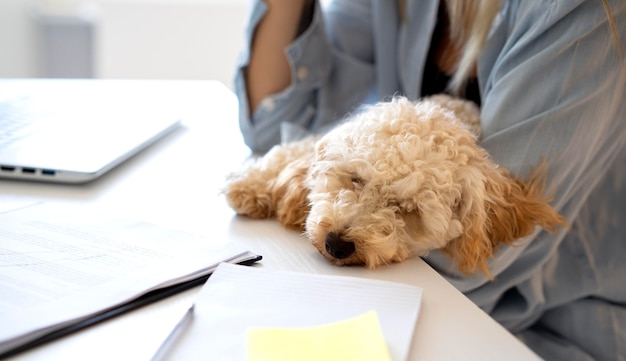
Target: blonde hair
<point>468,35</point>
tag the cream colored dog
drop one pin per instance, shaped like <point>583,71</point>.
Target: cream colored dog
<point>397,180</point>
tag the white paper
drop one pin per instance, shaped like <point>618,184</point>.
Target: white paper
<point>236,298</point>
<point>60,265</point>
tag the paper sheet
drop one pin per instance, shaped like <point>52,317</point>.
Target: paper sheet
<point>237,298</point>
<point>61,264</point>
<point>358,338</point>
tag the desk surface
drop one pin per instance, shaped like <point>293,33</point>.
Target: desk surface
<point>176,184</point>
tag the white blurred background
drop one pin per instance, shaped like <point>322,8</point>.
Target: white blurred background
<point>151,39</point>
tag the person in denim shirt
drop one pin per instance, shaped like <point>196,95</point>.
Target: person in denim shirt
<point>549,77</point>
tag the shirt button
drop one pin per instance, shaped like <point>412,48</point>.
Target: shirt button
<point>302,73</point>
<point>268,104</point>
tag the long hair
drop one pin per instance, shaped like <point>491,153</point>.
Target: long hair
<point>470,22</point>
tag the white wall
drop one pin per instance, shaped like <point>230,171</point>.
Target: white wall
<point>170,39</point>
<point>18,40</point>
<point>167,39</point>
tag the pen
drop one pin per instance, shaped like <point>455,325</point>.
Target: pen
<point>173,335</point>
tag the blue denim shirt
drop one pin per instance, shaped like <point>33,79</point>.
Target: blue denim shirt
<point>552,86</point>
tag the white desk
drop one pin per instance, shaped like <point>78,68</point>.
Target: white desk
<point>176,183</point>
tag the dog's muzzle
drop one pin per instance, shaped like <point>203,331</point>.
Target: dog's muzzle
<point>337,247</point>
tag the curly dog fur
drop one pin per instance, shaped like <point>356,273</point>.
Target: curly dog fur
<point>395,181</point>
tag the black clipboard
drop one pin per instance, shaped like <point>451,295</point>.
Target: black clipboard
<point>144,300</point>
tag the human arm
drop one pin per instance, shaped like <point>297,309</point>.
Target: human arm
<point>331,70</point>
<point>268,70</point>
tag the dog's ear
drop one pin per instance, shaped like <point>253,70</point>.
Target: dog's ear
<point>290,193</point>
<point>498,209</point>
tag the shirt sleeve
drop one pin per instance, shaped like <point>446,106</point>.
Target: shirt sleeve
<point>553,88</point>
<point>331,72</point>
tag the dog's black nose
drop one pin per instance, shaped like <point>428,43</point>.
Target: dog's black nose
<point>337,247</point>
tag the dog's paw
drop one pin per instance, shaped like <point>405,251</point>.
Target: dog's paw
<point>249,197</point>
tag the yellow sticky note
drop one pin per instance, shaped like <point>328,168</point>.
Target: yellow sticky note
<point>359,338</point>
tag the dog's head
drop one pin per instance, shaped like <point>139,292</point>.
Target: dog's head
<point>402,179</point>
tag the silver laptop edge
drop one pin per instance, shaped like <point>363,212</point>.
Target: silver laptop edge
<point>12,171</point>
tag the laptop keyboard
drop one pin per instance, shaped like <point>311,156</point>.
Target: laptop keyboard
<point>15,122</point>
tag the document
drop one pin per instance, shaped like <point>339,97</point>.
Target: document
<point>237,303</point>
<point>62,266</point>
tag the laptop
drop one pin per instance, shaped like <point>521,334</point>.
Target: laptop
<point>76,130</point>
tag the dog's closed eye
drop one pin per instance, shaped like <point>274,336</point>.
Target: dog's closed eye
<point>357,182</point>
